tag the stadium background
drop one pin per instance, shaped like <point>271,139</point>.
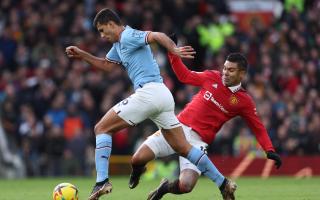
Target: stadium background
<point>49,103</point>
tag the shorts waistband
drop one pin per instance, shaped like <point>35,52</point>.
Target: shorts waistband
<point>142,85</point>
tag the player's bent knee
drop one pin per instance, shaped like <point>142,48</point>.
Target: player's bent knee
<point>182,150</point>
<point>142,156</point>
<point>185,187</point>
<point>97,129</point>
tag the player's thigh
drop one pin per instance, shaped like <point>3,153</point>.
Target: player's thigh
<point>177,136</point>
<point>176,139</point>
<point>194,139</point>
<point>165,117</point>
<point>157,143</point>
<point>110,123</point>
<point>166,120</point>
<point>143,155</point>
<point>135,109</point>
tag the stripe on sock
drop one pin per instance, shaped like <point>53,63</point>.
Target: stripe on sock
<point>103,147</point>
<point>197,162</point>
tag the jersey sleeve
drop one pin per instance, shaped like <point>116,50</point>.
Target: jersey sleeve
<point>251,117</point>
<point>133,39</point>
<point>184,74</point>
<point>113,56</point>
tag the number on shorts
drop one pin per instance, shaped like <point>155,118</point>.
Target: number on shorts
<point>204,149</point>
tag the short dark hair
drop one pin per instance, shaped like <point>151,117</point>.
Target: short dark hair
<point>104,16</point>
<point>239,59</point>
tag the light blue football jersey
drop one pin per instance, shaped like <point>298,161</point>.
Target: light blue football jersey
<point>134,53</point>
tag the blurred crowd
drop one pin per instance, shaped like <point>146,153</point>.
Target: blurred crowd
<point>50,104</point>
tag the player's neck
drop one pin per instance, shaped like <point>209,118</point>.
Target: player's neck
<point>119,31</point>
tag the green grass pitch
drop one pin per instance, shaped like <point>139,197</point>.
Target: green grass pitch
<point>249,188</point>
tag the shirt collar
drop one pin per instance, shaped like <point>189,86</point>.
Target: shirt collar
<point>235,88</point>
<point>125,27</point>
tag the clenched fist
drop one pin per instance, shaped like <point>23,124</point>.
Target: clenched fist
<point>74,52</point>
<point>274,156</point>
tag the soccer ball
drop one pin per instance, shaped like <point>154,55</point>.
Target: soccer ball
<point>65,191</point>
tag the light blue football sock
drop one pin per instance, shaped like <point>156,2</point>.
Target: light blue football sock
<point>103,151</point>
<point>201,160</point>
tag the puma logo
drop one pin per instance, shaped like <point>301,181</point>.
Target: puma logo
<point>205,171</point>
<point>106,157</point>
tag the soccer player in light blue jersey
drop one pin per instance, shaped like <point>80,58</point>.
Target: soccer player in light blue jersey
<point>151,99</point>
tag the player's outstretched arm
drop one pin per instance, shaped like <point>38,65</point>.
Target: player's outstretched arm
<point>101,63</point>
<point>250,115</point>
<point>166,42</point>
<point>183,73</point>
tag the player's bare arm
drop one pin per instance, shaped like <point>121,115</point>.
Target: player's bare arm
<point>165,41</point>
<point>101,63</point>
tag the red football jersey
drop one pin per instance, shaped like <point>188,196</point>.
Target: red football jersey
<point>215,104</point>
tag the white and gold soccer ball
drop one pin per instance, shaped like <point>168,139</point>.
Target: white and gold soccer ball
<point>65,191</point>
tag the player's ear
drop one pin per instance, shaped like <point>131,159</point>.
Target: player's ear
<point>242,74</point>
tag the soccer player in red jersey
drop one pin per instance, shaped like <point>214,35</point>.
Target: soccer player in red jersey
<point>220,99</point>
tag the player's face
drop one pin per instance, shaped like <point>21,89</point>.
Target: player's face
<point>107,31</point>
<point>231,74</point>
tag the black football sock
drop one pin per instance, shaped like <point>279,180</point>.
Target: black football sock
<point>223,184</point>
<point>137,169</point>
<point>102,182</point>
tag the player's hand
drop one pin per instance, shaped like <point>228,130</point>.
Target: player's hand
<point>74,52</point>
<point>274,156</point>
<point>184,52</point>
